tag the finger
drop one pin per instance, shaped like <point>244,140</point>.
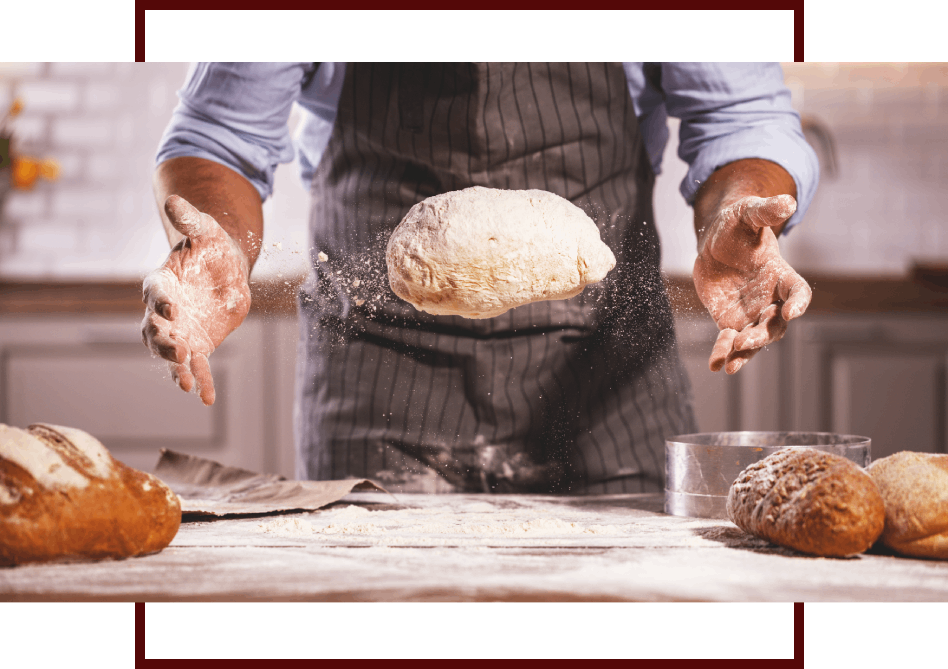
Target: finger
<point>157,336</point>
<point>769,328</point>
<point>156,294</point>
<point>738,359</point>
<point>186,219</point>
<point>202,376</point>
<point>181,375</point>
<point>722,348</point>
<point>797,299</point>
<point>761,212</point>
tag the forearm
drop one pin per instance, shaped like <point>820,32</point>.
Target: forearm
<point>215,190</point>
<point>733,181</point>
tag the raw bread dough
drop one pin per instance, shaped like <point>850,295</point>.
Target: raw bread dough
<point>480,251</point>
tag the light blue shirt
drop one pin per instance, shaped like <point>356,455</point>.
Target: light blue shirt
<point>236,114</point>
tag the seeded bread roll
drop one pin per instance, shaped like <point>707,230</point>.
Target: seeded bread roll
<point>808,500</point>
<point>915,489</point>
<point>63,496</point>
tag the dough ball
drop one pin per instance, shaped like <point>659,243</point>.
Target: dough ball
<point>479,252</point>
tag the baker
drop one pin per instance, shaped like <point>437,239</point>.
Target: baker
<point>571,395</point>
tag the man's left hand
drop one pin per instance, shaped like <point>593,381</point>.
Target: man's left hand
<point>744,282</point>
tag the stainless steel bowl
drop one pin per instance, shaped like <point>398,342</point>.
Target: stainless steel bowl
<point>700,468</point>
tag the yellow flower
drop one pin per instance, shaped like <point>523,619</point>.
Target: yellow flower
<point>25,172</point>
<point>49,169</point>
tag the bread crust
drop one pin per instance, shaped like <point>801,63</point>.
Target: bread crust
<point>808,500</point>
<point>63,497</point>
<point>915,489</point>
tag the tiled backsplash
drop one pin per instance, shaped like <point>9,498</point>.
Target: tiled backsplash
<point>102,122</point>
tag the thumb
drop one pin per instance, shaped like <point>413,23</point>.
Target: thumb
<point>762,212</point>
<point>186,219</point>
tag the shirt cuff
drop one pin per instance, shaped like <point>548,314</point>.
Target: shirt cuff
<point>767,143</point>
<point>188,134</point>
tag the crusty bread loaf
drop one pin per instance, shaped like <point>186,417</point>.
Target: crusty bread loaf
<point>63,496</point>
<point>814,502</point>
<point>914,487</point>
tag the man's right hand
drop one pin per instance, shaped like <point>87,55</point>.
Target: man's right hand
<point>196,298</point>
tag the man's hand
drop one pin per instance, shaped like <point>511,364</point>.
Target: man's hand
<point>196,298</point>
<point>741,278</point>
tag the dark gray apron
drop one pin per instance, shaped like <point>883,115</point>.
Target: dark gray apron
<point>572,395</point>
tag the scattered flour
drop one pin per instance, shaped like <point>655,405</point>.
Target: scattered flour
<point>479,523</point>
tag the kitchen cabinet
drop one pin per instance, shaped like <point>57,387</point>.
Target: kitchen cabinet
<point>92,372</point>
<point>752,399</point>
<point>882,376</point>
<point>877,375</point>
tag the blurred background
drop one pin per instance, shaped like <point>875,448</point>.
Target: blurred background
<point>869,358</point>
<point>102,123</point>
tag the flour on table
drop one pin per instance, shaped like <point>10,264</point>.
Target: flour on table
<point>478,523</point>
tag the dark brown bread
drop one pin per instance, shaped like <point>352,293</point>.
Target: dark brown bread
<point>63,496</point>
<point>808,500</point>
<point>914,487</point>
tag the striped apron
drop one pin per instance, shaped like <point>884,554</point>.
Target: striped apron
<point>571,395</point>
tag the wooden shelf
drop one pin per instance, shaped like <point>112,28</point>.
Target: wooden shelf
<point>831,294</point>
<point>122,297</point>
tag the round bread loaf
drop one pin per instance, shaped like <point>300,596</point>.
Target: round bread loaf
<point>914,487</point>
<point>480,251</point>
<point>63,496</point>
<point>808,500</point>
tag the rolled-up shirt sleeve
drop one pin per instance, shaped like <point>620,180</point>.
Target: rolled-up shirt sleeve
<point>236,114</point>
<point>732,111</point>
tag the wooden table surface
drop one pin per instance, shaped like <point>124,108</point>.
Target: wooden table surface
<point>376,547</point>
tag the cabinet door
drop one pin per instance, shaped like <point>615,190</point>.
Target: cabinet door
<point>756,398</point>
<point>717,405</point>
<point>93,373</point>
<point>279,379</point>
<point>894,395</point>
<point>880,377</point>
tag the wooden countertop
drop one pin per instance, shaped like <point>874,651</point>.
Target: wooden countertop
<point>373,547</point>
<point>831,294</point>
<point>122,297</point>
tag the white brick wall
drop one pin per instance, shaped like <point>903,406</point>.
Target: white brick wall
<point>85,203</point>
<point>100,96</point>
<point>103,167</point>
<point>30,130</point>
<point>103,121</point>
<point>84,132</point>
<point>10,70</point>
<point>48,96</point>
<point>886,208</point>
<point>50,236</point>
<point>70,70</point>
